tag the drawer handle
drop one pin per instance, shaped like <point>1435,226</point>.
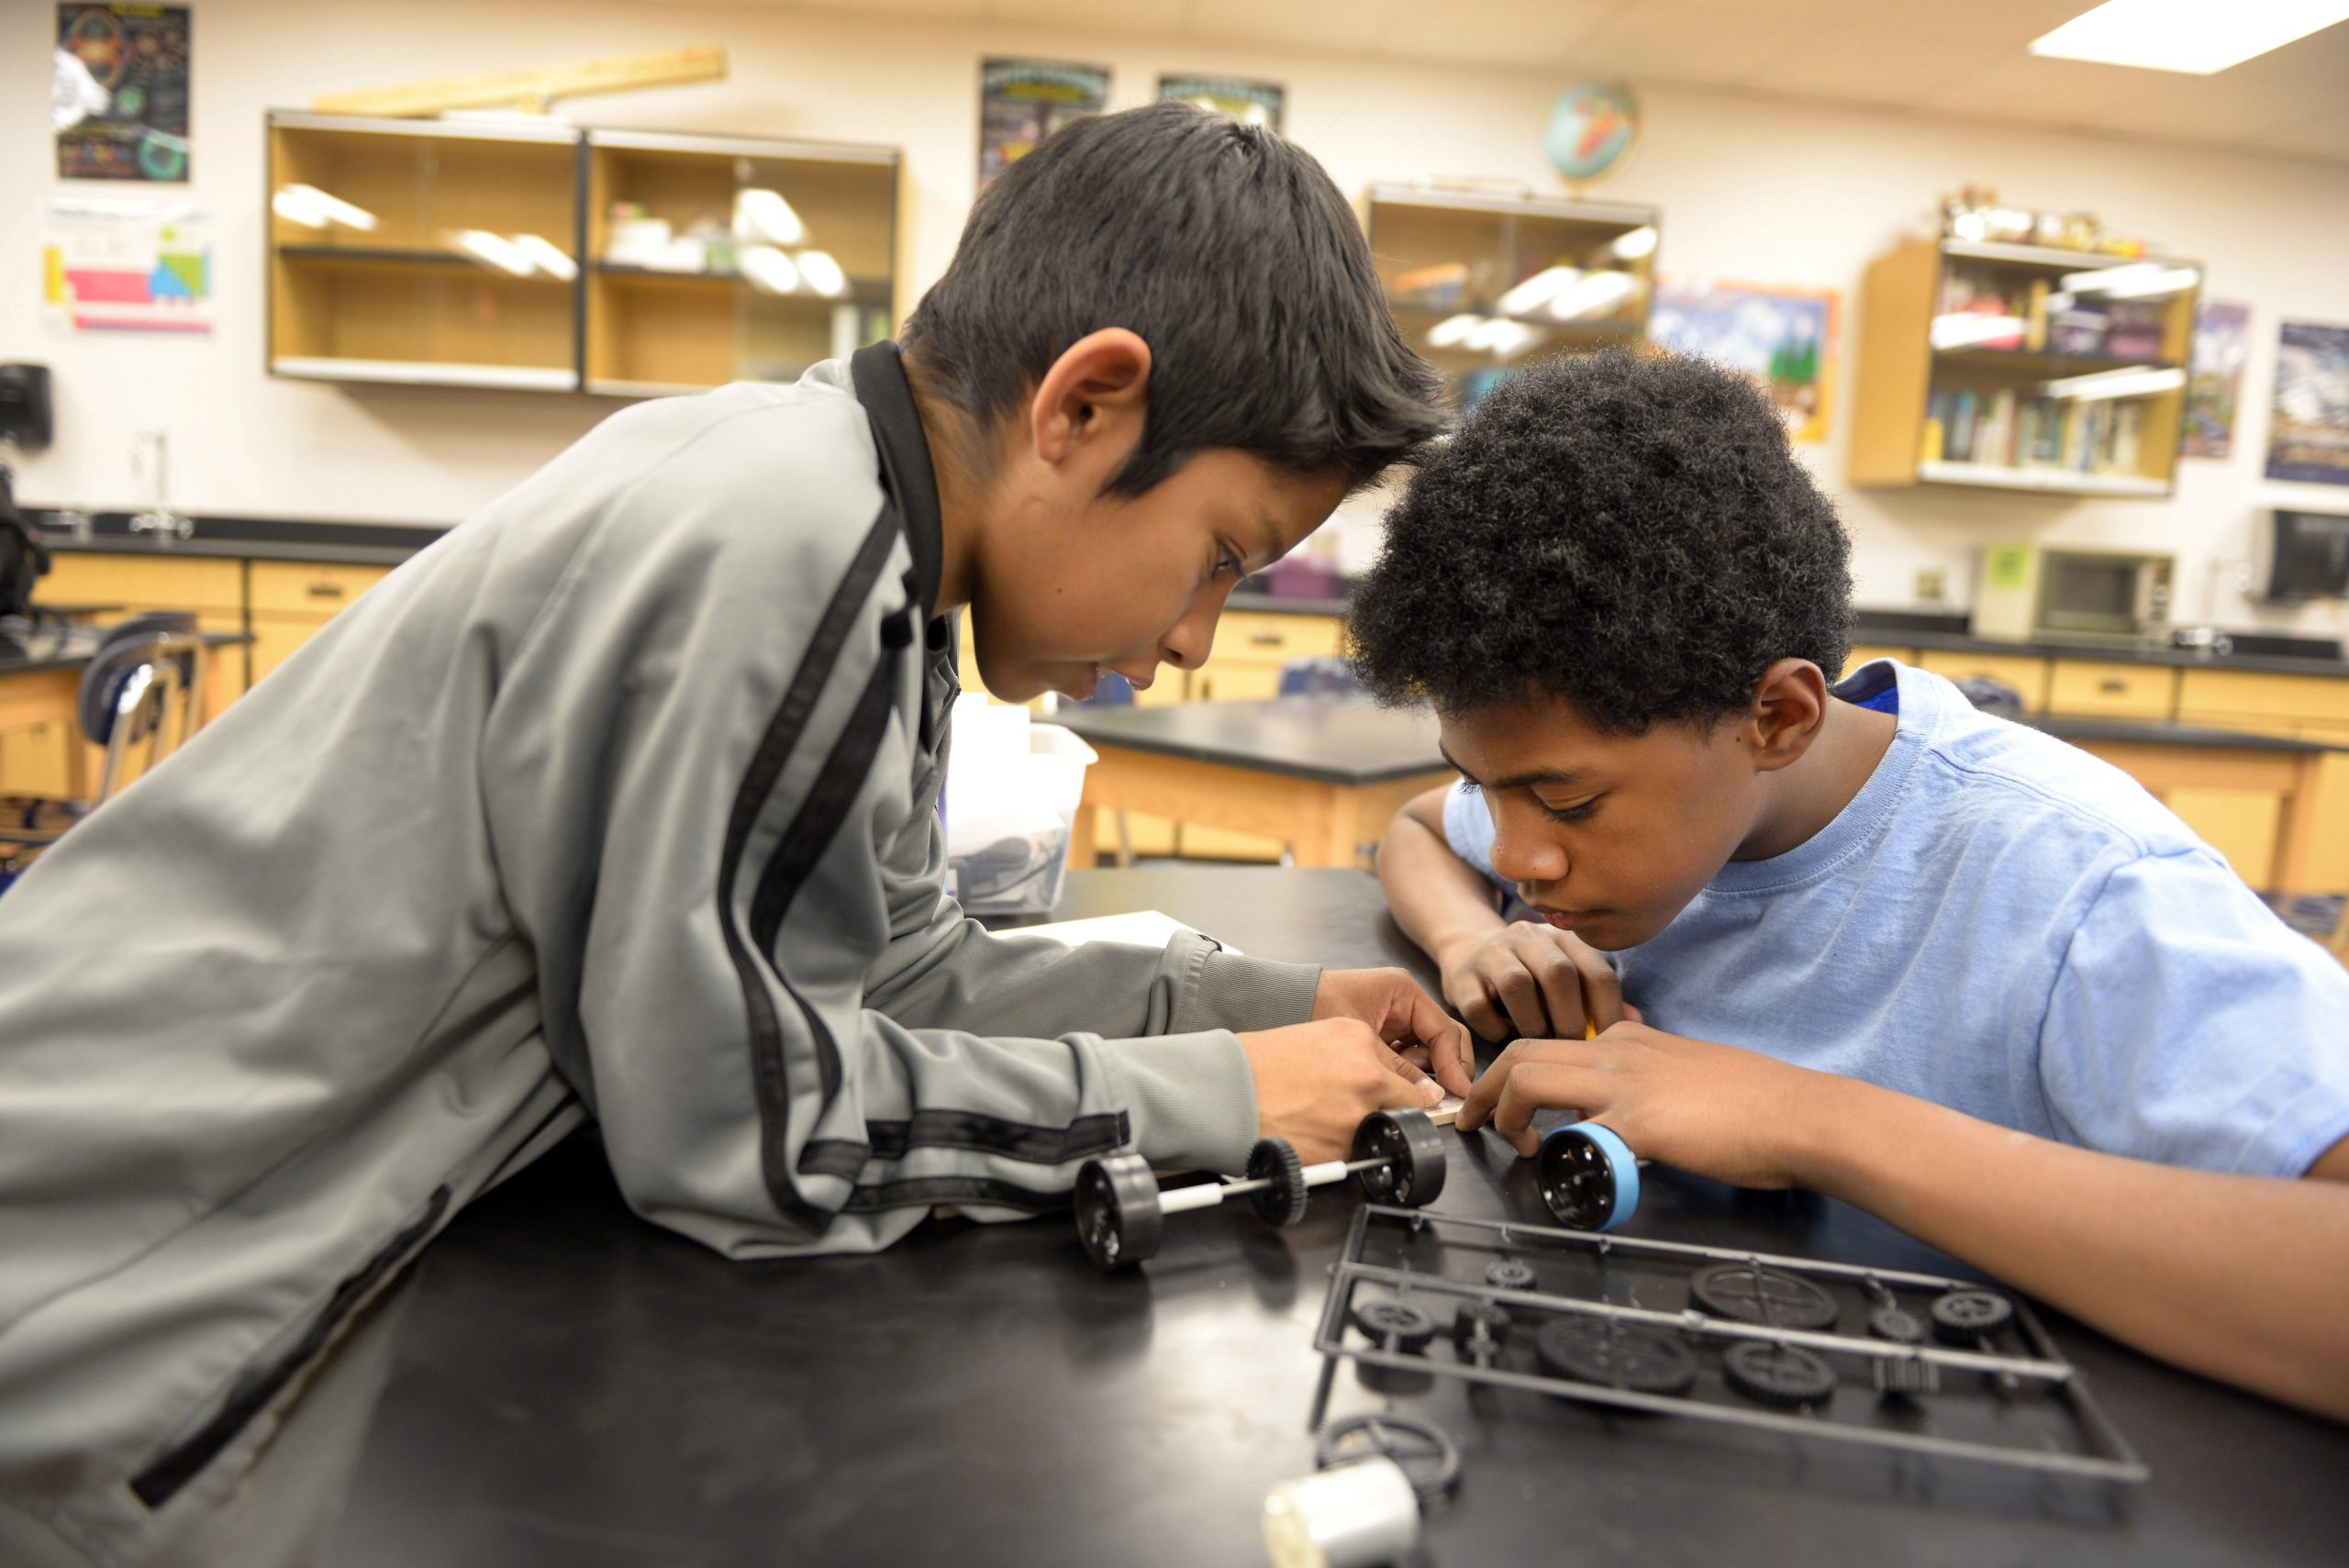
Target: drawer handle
<point>1263,640</point>
<point>326,590</point>
<point>2112,688</point>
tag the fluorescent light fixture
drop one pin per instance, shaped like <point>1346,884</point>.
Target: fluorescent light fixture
<point>1966,329</point>
<point>546,256</point>
<point>764,215</point>
<point>767,268</point>
<point>314,209</point>
<point>1454,330</point>
<point>2115,384</point>
<point>1538,290</point>
<point>496,250</point>
<point>1636,243</point>
<point>823,272</point>
<point>1594,294</point>
<point>2195,37</point>
<point>2134,281</point>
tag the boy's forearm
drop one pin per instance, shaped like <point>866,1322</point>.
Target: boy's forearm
<point>1438,898</point>
<point>2238,1277</point>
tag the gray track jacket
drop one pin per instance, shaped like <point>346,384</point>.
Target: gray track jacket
<point>618,800</point>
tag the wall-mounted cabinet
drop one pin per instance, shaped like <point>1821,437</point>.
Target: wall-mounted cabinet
<point>2020,367</point>
<point>546,257</point>
<point>1485,286</point>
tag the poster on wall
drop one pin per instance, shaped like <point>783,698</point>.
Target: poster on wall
<point>2214,384</point>
<point>2308,428</point>
<point>1781,338</point>
<point>1021,102</point>
<point>127,266</point>
<point>119,96</point>
<point>1250,102</point>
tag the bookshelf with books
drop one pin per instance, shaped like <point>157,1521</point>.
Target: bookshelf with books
<point>2023,367</point>
<point>1485,284</point>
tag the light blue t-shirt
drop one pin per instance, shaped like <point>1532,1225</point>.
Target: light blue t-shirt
<point>2005,925</point>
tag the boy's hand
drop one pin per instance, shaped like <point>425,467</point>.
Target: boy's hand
<point>1533,981</point>
<point>1405,1016</point>
<point>1315,1082</point>
<point>1735,1116</point>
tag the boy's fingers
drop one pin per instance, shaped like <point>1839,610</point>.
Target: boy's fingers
<point>1535,1086</point>
<point>1561,993</point>
<point>1450,1054</point>
<point>1415,1088</point>
<point>1523,999</point>
<point>1602,988</point>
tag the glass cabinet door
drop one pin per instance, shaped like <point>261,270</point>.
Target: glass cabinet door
<point>408,252</point>
<point>714,261</point>
<point>1485,285</point>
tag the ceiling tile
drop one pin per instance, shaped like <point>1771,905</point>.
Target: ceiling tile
<point>1715,44</point>
<point>1521,32</point>
<point>1350,25</point>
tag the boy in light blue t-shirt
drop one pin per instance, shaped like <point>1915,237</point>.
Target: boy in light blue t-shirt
<point>1865,939</point>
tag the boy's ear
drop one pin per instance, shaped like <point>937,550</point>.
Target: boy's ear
<point>1093,399</point>
<point>1789,705</point>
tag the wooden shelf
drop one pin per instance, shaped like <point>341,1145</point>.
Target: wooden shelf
<point>421,372</point>
<point>1960,416</point>
<point>2053,481</point>
<point>379,294</point>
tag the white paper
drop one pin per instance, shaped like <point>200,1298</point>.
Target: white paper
<point>1148,928</point>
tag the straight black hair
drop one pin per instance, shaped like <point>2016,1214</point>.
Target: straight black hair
<point>1228,250</point>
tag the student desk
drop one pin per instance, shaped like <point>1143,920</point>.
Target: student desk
<point>1323,775</point>
<point>570,1386</point>
<point>40,682</point>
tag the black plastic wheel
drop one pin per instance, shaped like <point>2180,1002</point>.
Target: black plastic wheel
<point>1969,1316</point>
<point>1395,1325</point>
<point>1283,1202</point>
<point>1784,1376</point>
<point>1897,1324</point>
<point>1118,1217</point>
<point>1413,1149</point>
<point>1906,1378</point>
<point>1750,1293</point>
<point>1575,1179</point>
<point>1616,1355</point>
<point>1423,1451</point>
<point>1481,1324</point>
<point>1510,1273</point>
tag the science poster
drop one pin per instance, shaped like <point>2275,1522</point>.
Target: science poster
<point>2214,382</point>
<point>2308,429</point>
<point>1250,102</point>
<point>1784,339</point>
<point>119,100</point>
<point>1021,102</point>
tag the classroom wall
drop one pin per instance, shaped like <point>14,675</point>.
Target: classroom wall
<point>1754,189</point>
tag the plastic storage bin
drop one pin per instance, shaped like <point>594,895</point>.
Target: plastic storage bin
<point>1012,790</point>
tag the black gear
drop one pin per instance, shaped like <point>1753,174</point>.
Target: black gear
<point>1424,1452</point>
<point>1968,1316</point>
<point>1905,1376</point>
<point>1897,1324</point>
<point>1785,1375</point>
<point>1395,1325</point>
<point>1509,1273</point>
<point>1616,1355</point>
<point>1772,1297</point>
<point>1482,1322</point>
<point>1282,1201</point>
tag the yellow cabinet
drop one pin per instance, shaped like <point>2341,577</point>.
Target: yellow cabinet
<point>36,761</point>
<point>2025,674</point>
<point>146,582</point>
<point>307,588</point>
<point>2316,707</point>
<point>1258,637</point>
<point>2111,691</point>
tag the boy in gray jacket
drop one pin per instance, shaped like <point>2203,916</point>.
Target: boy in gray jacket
<point>621,802</point>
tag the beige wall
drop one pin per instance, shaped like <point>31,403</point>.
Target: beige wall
<point>1752,189</point>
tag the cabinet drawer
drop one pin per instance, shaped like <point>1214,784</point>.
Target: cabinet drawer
<point>2111,691</point>
<point>2026,675</point>
<point>180,584</point>
<point>2247,700</point>
<point>1259,637</point>
<point>37,761</point>
<point>276,636</point>
<point>297,588</point>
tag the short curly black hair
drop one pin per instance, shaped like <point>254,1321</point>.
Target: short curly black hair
<point>1630,531</point>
